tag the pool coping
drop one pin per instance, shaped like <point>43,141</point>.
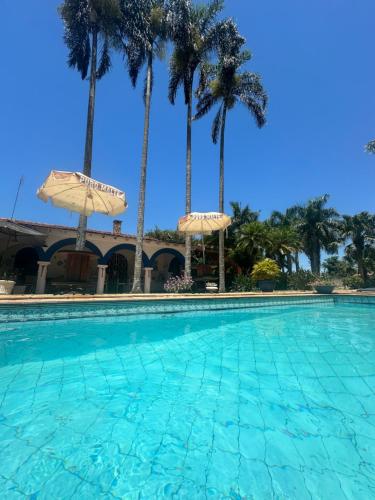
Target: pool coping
<point>152,297</point>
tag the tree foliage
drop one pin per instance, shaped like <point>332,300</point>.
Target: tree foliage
<point>81,19</point>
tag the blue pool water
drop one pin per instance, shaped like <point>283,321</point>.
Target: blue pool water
<point>276,402</point>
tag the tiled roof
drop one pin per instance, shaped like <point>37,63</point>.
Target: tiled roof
<point>70,228</point>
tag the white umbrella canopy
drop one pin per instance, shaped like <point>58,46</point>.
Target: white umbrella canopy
<point>203,223</point>
<point>78,193</point>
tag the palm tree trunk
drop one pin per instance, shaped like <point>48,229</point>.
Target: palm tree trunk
<point>296,261</point>
<point>289,263</point>
<point>361,269</point>
<point>137,288</point>
<point>82,226</point>
<point>221,204</point>
<point>188,180</point>
<point>315,261</point>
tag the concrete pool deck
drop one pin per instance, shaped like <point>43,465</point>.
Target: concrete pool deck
<point>76,298</point>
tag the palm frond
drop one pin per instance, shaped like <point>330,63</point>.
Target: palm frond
<point>105,60</point>
<point>205,103</point>
<point>176,77</point>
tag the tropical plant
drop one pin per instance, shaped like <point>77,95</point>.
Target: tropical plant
<point>318,226</point>
<point>242,283</point>
<point>227,87</point>
<point>266,269</point>
<point>194,31</point>
<point>360,230</point>
<point>89,24</point>
<point>288,220</point>
<point>283,243</point>
<point>353,282</point>
<point>145,29</point>
<point>251,241</point>
<point>370,147</point>
<point>300,280</point>
<point>336,267</point>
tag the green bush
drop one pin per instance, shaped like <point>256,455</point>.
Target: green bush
<point>242,283</point>
<point>266,269</point>
<point>300,280</point>
<point>353,282</point>
<point>282,282</point>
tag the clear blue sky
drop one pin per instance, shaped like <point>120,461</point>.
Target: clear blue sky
<point>316,59</point>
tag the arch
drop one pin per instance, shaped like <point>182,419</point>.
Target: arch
<point>171,251</point>
<point>124,246</point>
<point>70,241</point>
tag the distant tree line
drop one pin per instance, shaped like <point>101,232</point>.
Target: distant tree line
<point>311,229</point>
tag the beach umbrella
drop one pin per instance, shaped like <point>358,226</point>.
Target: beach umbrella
<point>78,193</point>
<point>203,223</point>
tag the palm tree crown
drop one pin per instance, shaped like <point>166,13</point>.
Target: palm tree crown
<point>83,20</point>
<point>194,32</point>
<point>145,31</point>
<point>360,230</point>
<point>228,85</point>
<point>318,226</point>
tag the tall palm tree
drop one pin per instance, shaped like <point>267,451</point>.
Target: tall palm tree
<point>145,28</point>
<point>228,87</point>
<point>360,230</point>
<point>193,30</point>
<point>89,24</point>
<point>318,226</point>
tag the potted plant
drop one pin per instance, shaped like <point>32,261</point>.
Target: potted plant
<point>323,285</point>
<point>265,274</point>
<point>7,284</point>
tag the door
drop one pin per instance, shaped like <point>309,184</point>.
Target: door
<point>77,267</point>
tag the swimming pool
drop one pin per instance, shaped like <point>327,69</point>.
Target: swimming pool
<point>255,402</point>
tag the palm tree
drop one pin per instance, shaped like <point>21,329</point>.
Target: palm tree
<point>360,229</point>
<point>252,240</point>
<point>87,25</point>
<point>318,227</point>
<point>288,221</point>
<point>284,242</point>
<point>228,87</point>
<point>145,28</point>
<point>193,30</point>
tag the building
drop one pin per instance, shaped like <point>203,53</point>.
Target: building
<point>42,259</point>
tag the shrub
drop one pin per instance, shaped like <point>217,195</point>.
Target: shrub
<point>353,282</point>
<point>178,284</point>
<point>266,269</point>
<point>242,283</point>
<point>300,280</point>
<point>323,280</point>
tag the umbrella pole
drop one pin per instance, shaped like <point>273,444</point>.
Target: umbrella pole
<point>82,227</point>
<point>203,250</point>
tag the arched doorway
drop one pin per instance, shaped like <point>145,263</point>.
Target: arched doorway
<point>175,267</point>
<point>166,262</point>
<point>26,266</point>
<point>117,274</point>
<point>71,270</point>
